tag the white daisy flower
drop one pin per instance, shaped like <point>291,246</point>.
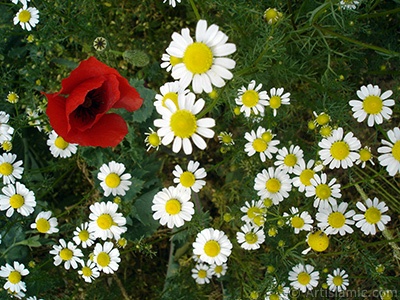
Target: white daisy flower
<point>303,278</point>
<point>390,157</point>
<point>321,119</point>
<point>122,242</point>
<point>213,246</point>
<point>349,4</point>
<point>365,156</point>
<point>18,295</point>
<point>14,276</point>
<point>181,125</point>
<point>373,104</point>
<point>23,2</point>
<point>172,206</point>
<point>192,178</point>
<point>278,292</point>
<point>317,241</point>
<point>106,257</point>
<point>152,140</point>
<point>10,170</point>
<point>27,17</point>
<point>250,238</point>
<point>172,2</point>
<point>59,147</point>
<point>83,236</point>
<point>89,272</point>
<point>272,15</point>
<point>253,212</point>
<point>169,90</point>
<point>6,131</point>
<point>196,258</point>
<point>112,179</point>
<point>218,270</point>
<point>277,99</point>
<point>252,99</point>
<point>339,151</point>
<point>226,138</point>
<point>262,142</point>
<point>202,273</point>
<point>105,222</point>
<point>299,222</point>
<point>67,253</point>
<point>203,63</point>
<point>372,217</point>
<point>287,160</point>
<point>18,198</point>
<point>323,192</point>
<point>12,97</point>
<point>338,281</point>
<point>304,174</point>
<point>44,223</point>
<point>274,184</point>
<point>334,220</point>
<point>169,61</point>
<point>326,131</point>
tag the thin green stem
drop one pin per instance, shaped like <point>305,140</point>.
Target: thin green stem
<point>80,201</point>
<point>379,14</point>
<point>210,107</point>
<point>384,179</point>
<point>196,12</point>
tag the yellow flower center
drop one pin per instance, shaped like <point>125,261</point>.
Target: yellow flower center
<point>373,215</point>
<point>86,271</point>
<point>14,277</point>
<point>202,274</point>
<point>212,248</point>
<point>340,150</point>
<point>175,60</point>
<point>326,131</point>
<point>306,176</point>
<point>297,222</point>
<point>122,242</point>
<point>84,235</point>
<point>274,297</point>
<point>395,151</point>
<point>42,225</point>
<point>16,201</point>
<point>154,139</point>
<point>259,145</point>
<point>105,221</point>
<point>7,145</point>
<point>318,241</point>
<point>252,212</point>
<point>323,191</point>
<point>250,98</point>
<point>251,237</point>
<point>226,139</point>
<point>259,220</point>
<point>323,119</point>
<point>268,202</point>
<point>103,259</point>
<point>271,15</point>
<point>218,269</point>
<point>372,105</point>
<point>303,278</point>
<point>338,280</point>
<point>173,207</point>
<point>183,123</point>
<point>24,16</point>
<point>273,185</point>
<point>290,160</point>
<point>112,180</point>
<point>60,143</point>
<point>198,58</point>
<point>173,97</point>
<point>6,169</point>
<point>66,254</point>
<point>272,232</point>
<point>187,179</point>
<point>336,220</point>
<point>12,98</point>
<point>267,136</point>
<point>275,102</point>
<point>387,295</point>
<point>365,154</point>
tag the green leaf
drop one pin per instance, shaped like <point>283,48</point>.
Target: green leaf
<point>31,242</point>
<point>145,111</point>
<point>65,62</point>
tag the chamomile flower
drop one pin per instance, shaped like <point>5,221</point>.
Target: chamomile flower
<point>299,222</point>
<point>272,15</point>
<point>252,100</point>
<point>169,90</point>
<point>9,169</point>
<point>202,273</point>
<point>67,253</point>
<point>172,2</point>
<point>6,131</point>
<point>59,147</point>
<point>250,238</point>
<point>14,276</point>
<point>274,184</point>
<point>278,292</point>
<point>122,242</point>
<point>373,104</point>
<point>196,258</point>
<point>112,180</point>
<point>317,241</point>
<point>253,212</point>
<point>83,236</point>
<point>348,4</point>
<point>89,272</point>
<point>27,17</point>
<point>287,160</point>
<point>226,138</point>
<point>338,281</point>
<point>390,157</point>
<point>17,198</point>
<point>303,277</point>
<point>372,217</point>
<point>218,270</point>
<point>44,223</point>
<point>213,246</point>
<point>152,140</point>
<point>105,222</point>
<point>169,61</point>
<point>192,178</point>
<point>203,62</point>
<point>323,192</point>
<point>304,174</point>
<point>335,219</point>
<point>18,295</point>
<point>321,119</point>
<point>181,125</point>
<point>262,142</point>
<point>326,131</point>
<point>365,156</point>
<point>106,257</point>
<point>277,99</point>
<point>12,97</point>
<point>23,2</point>
<point>172,206</point>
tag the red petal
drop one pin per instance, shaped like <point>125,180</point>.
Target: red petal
<point>56,113</point>
<point>130,98</point>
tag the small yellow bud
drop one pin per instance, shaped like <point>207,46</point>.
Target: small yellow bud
<point>213,94</point>
<point>117,200</point>
<point>237,110</point>
<point>254,295</point>
<point>270,269</point>
<point>227,217</point>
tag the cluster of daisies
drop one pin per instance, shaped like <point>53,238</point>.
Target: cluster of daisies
<point>27,17</point>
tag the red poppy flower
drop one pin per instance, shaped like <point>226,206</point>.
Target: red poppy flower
<point>78,113</point>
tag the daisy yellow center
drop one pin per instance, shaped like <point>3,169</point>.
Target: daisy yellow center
<point>275,102</point>
<point>42,225</point>
<point>66,254</point>
<point>271,14</point>
<point>297,222</point>
<point>218,269</point>
<point>60,143</point>
<point>175,60</point>
<point>103,259</point>
<point>252,212</point>
<point>122,242</point>
<point>7,145</point>
<point>24,16</point>
<point>202,274</point>
<point>198,58</point>
<point>303,278</point>
<point>226,139</point>
<point>14,277</point>
<point>173,97</point>
<point>323,191</point>
<point>86,271</point>
<point>274,297</point>
<point>273,185</point>
<point>183,123</point>
<point>326,131</point>
<point>323,119</point>
<point>6,169</point>
<point>154,139</point>
<point>318,241</point>
<point>250,237</point>
<point>259,220</point>
<point>372,105</point>
<point>112,180</point>
<point>212,248</point>
<point>290,160</point>
<point>267,136</point>
<point>187,179</point>
<point>172,207</point>
<point>395,151</point>
<point>338,280</point>
<point>373,215</point>
<point>268,202</point>
<point>260,145</point>
<point>250,98</point>
<point>340,150</point>
<point>16,201</point>
<point>365,154</point>
<point>306,175</point>
<point>336,220</point>
<point>84,235</point>
<point>104,221</point>
<point>12,98</point>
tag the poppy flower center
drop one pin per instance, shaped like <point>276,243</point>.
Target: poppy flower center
<point>91,106</point>
<point>60,143</point>
<point>86,271</point>
<point>16,201</point>
<point>365,155</point>
<point>273,185</point>
<point>323,191</point>
<point>303,278</point>
<point>251,238</point>
<point>173,97</point>
<point>305,176</point>
<point>338,280</point>
<point>198,58</point>
<point>173,207</point>
<point>290,160</point>
<point>212,248</point>
<point>297,222</point>
<point>183,123</point>
<point>42,225</point>
<point>395,151</point>
<point>6,169</point>
<point>187,179</point>
<point>202,274</point>
<point>259,145</point>
<point>275,102</point>
<point>373,215</point>
<point>14,277</point>
<point>372,105</point>
<point>103,259</point>
<point>66,254</point>
<point>24,16</point>
<point>340,150</point>
<point>336,220</point>
<point>84,235</point>
<point>250,98</point>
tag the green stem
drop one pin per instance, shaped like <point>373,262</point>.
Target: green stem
<point>196,12</point>
<point>379,14</point>
<point>77,204</point>
<point>384,179</point>
<point>210,107</point>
